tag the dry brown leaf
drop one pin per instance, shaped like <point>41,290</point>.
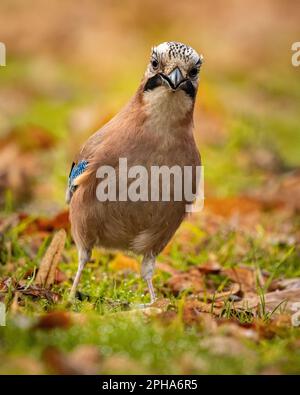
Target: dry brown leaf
<point>32,290</point>
<point>276,327</point>
<point>191,280</point>
<point>247,277</point>
<point>287,283</point>
<point>210,267</point>
<point>162,303</point>
<point>85,359</point>
<point>47,269</point>
<point>279,300</point>
<point>54,319</point>
<point>227,207</point>
<point>39,292</point>
<point>234,289</point>
<point>193,314</point>
<point>31,138</point>
<point>193,308</point>
<point>60,221</point>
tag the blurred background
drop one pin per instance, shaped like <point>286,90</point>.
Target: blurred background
<point>71,65</point>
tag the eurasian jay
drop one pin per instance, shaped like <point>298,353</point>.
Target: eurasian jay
<point>154,129</point>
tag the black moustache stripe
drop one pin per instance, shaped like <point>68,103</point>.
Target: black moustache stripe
<point>156,81</point>
<point>153,83</point>
<point>189,89</point>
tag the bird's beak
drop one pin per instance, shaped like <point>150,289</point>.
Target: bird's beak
<point>175,78</point>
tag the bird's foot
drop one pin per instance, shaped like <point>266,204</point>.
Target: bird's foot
<point>151,291</point>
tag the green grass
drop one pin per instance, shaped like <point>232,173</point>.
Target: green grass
<point>115,327</point>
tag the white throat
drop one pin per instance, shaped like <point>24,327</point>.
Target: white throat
<point>166,110</point>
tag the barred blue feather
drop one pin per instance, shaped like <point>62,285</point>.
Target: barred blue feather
<point>76,171</point>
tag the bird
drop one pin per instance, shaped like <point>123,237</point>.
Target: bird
<point>155,128</point>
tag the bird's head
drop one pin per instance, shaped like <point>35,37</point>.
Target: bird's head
<point>174,66</point>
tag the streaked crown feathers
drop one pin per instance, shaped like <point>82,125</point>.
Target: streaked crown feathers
<point>174,50</point>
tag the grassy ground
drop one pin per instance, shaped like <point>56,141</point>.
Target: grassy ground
<point>171,339</point>
<point>247,129</point>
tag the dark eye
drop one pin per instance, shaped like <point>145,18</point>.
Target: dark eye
<point>193,72</point>
<point>154,63</point>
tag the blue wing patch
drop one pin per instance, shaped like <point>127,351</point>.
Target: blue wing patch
<point>76,171</point>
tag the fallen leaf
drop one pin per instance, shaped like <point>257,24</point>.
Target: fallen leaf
<point>210,267</point>
<point>193,308</point>
<point>46,273</point>
<point>60,221</point>
<point>234,289</point>
<point>279,300</point>
<point>246,276</point>
<point>85,359</point>
<point>54,319</point>
<point>227,207</point>
<point>162,303</point>
<point>277,326</point>
<point>31,138</point>
<point>39,292</point>
<point>8,284</point>
<point>287,283</point>
<point>191,281</point>
<point>193,314</point>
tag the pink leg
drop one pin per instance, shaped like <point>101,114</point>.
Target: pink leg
<point>84,257</point>
<point>147,270</point>
<point>151,290</point>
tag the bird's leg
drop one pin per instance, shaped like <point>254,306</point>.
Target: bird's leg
<point>83,257</point>
<point>148,265</point>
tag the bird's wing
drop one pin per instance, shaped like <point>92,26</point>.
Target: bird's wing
<point>80,165</point>
<point>104,147</point>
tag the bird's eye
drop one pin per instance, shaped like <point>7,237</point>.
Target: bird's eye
<point>154,64</point>
<point>193,72</point>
